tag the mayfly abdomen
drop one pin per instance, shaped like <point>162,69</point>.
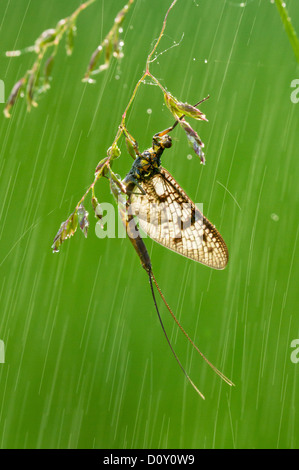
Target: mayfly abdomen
<point>137,242</point>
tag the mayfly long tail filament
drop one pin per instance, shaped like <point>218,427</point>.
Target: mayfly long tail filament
<point>218,372</point>
<point>150,276</point>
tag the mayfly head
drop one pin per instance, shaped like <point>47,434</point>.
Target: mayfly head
<point>161,142</point>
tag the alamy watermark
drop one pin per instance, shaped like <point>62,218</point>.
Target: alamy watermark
<point>295,352</point>
<point>2,92</point>
<point>2,352</point>
<point>295,93</point>
<point>173,221</point>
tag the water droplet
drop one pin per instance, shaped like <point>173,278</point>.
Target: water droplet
<point>149,111</point>
<point>275,217</point>
<point>189,156</point>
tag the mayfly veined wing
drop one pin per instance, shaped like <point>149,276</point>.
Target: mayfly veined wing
<point>165,212</point>
<point>168,216</point>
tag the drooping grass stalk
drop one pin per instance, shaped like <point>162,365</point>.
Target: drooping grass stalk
<point>36,80</point>
<point>177,108</point>
<point>111,46</point>
<point>288,27</point>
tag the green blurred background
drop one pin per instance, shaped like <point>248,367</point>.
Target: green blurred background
<point>86,363</point>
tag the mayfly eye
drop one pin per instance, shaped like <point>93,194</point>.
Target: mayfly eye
<point>168,142</point>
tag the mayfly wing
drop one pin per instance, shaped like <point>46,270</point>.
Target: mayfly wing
<point>168,216</point>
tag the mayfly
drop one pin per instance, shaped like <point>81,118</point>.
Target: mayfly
<point>164,211</point>
<point>168,216</point>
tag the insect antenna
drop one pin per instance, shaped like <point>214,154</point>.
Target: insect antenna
<point>151,277</point>
<point>218,372</point>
